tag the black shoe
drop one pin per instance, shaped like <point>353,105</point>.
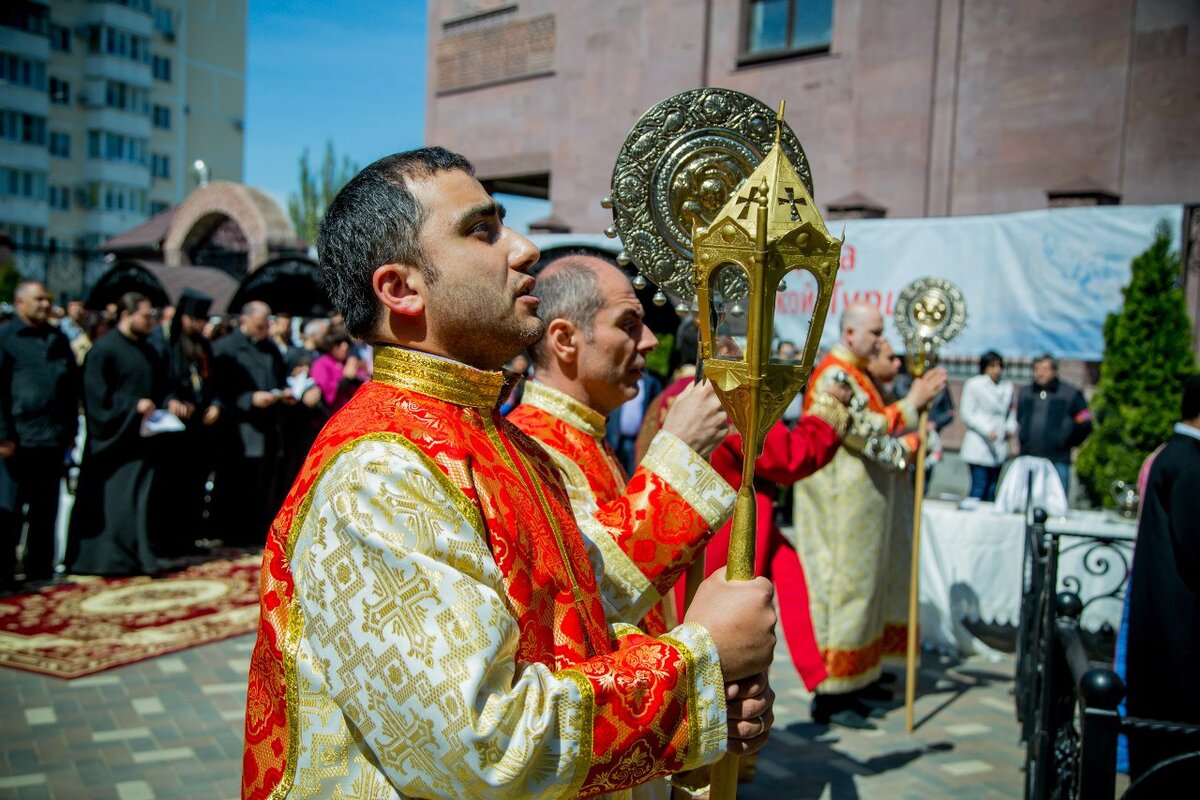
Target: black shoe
<point>875,692</point>
<point>864,710</point>
<point>849,719</point>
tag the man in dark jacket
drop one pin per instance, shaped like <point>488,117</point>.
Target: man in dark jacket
<point>252,388</point>
<point>39,415</point>
<point>1053,418</point>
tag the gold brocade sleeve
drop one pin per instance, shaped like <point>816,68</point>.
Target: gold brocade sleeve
<point>692,477</point>
<point>406,678</point>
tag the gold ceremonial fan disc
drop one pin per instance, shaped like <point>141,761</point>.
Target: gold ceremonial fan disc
<point>930,312</point>
<point>679,165</point>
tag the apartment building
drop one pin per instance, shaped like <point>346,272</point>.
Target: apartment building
<point>105,108</point>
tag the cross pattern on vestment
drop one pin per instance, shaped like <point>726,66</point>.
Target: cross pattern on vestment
<point>793,201</point>
<point>400,606</point>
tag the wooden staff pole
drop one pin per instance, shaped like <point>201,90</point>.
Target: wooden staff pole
<point>910,672</point>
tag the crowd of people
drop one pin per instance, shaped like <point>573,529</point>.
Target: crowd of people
<point>194,427</point>
<point>492,561</point>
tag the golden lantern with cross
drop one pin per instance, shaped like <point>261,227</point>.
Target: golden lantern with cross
<point>769,228</point>
<point>714,204</point>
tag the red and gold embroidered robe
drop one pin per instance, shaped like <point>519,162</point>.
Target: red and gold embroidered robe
<point>431,623</point>
<point>659,519</point>
<point>853,523</point>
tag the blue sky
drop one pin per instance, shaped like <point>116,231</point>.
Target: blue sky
<point>348,72</point>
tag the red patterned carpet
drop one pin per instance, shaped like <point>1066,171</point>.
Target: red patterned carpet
<point>82,628</point>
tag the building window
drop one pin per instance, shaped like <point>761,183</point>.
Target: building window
<point>60,38</point>
<point>158,206</point>
<point>161,68</point>
<point>164,21</point>
<point>774,28</point>
<point>109,146</point>
<point>117,198</point>
<point>160,165</point>
<point>127,98</point>
<point>162,117</point>
<point>23,128</point>
<point>18,71</point>
<point>25,235</point>
<point>60,92</point>
<point>22,183</point>
<point>60,198</point>
<point>114,42</point>
<point>60,144</point>
<point>28,17</point>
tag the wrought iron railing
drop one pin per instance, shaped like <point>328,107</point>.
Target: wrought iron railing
<point>1072,749</point>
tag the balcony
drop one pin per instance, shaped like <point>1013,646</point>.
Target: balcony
<point>23,211</point>
<point>24,43</point>
<point>24,156</point>
<point>109,223</point>
<point>117,172</point>
<point>26,100</point>
<point>120,16</point>
<point>117,121</point>
<point>117,68</point>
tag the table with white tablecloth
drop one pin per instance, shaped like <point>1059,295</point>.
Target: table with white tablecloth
<point>972,562</point>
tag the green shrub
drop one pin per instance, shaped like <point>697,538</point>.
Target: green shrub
<point>1147,357</point>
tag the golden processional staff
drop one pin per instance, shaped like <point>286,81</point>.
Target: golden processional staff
<point>745,235</point>
<point>929,313</point>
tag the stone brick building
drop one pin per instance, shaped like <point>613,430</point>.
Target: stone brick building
<point>914,108</point>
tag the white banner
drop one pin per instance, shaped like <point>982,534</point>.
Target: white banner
<point>1034,282</point>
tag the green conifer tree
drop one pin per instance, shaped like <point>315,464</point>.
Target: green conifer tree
<point>1147,358</point>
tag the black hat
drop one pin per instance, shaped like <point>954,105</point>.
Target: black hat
<point>194,304</point>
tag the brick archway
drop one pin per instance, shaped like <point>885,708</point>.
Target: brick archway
<point>265,225</point>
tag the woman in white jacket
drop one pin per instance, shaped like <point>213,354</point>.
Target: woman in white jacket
<point>987,411</point>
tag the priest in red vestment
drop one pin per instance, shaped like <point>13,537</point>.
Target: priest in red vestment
<point>586,366</point>
<point>431,623</point>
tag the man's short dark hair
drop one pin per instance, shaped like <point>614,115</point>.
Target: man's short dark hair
<point>1047,357</point>
<point>989,358</point>
<point>567,288</point>
<point>128,303</point>
<point>376,220</point>
<point>1191,398</point>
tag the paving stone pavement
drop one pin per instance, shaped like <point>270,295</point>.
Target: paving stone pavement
<point>171,727</point>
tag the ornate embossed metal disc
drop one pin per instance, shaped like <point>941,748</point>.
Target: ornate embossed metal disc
<point>679,165</point>
<point>930,311</point>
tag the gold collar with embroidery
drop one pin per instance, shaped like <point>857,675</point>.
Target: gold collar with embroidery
<point>840,351</point>
<point>451,381</point>
<point>562,406</point>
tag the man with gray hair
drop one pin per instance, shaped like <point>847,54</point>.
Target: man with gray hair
<point>587,365</point>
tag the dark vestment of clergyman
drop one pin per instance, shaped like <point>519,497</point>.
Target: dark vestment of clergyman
<point>109,532</point>
<point>1164,604</point>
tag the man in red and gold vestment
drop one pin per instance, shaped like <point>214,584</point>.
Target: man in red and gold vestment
<point>847,525</point>
<point>587,365</point>
<point>788,456</point>
<point>431,624</point>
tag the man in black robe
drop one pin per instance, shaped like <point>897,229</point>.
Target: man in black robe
<point>123,383</point>
<point>39,415</point>
<point>184,459</point>
<point>252,387</point>
<point>1163,659</point>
